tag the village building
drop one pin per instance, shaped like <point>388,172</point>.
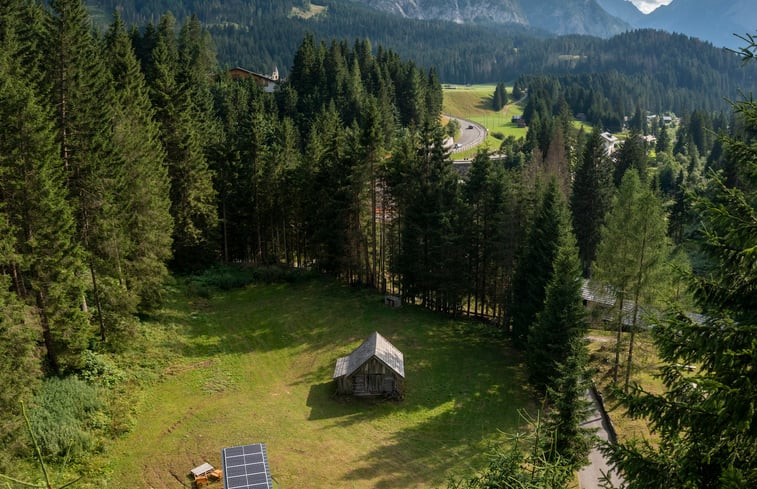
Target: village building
<point>610,142</point>
<point>267,82</point>
<point>375,368</point>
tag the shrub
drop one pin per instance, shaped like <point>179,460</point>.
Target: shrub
<point>65,417</point>
<point>498,135</point>
<point>229,277</point>
<point>99,370</point>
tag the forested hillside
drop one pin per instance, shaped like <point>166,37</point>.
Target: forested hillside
<point>261,35</point>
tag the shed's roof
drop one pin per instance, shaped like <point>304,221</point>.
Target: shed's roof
<point>375,346</point>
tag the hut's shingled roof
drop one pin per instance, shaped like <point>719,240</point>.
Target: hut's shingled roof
<point>376,345</point>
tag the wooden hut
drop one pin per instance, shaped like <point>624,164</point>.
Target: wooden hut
<point>375,368</point>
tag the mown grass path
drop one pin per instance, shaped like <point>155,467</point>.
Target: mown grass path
<point>255,365</point>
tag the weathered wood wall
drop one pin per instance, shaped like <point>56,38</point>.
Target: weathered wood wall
<point>371,378</point>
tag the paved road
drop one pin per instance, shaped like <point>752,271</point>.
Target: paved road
<point>471,134</point>
<point>589,476</point>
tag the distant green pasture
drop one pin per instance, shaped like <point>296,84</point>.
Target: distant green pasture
<point>474,103</point>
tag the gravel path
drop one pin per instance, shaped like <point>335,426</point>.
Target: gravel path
<point>589,476</point>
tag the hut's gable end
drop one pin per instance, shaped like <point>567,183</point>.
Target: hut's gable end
<point>375,367</point>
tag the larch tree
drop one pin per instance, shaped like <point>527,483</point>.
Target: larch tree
<point>631,257</point>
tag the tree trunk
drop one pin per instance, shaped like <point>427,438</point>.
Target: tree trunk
<point>617,343</point>
<point>47,335</point>
<point>637,295</point>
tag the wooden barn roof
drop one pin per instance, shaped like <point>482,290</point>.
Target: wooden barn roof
<point>375,346</point>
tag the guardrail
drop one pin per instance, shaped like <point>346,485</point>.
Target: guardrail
<point>464,124</point>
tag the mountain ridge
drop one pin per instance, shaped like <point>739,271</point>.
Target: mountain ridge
<point>713,21</point>
<point>555,16</point>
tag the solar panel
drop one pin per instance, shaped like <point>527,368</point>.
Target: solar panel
<point>246,467</point>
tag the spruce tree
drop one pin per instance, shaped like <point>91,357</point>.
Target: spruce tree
<point>46,262</point>
<point>83,98</point>
<point>19,337</point>
<point>663,141</point>
<point>631,154</point>
<point>569,408</point>
<point>192,193</point>
<point>561,320</point>
<point>487,233</point>
<point>535,266</point>
<point>591,198</point>
<point>431,234</point>
<point>144,193</point>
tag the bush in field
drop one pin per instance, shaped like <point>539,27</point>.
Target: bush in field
<point>66,416</point>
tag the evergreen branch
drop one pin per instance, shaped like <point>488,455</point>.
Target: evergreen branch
<point>37,451</point>
<point>27,484</point>
<point>71,483</point>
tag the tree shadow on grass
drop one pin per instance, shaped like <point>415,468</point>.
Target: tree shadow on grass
<point>462,387</point>
<point>486,103</point>
<point>453,436</point>
<point>269,317</point>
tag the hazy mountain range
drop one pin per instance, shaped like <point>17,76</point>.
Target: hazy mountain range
<point>553,16</point>
<point>710,20</point>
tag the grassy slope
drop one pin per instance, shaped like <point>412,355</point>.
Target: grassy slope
<point>474,103</point>
<point>255,365</point>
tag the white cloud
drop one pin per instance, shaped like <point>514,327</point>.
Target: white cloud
<point>647,6</point>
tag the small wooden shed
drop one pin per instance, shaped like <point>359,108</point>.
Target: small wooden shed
<point>375,368</point>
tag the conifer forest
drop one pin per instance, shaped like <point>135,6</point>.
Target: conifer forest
<point>130,158</point>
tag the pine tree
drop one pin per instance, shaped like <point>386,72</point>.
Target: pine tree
<point>144,193</point>
<point>535,266</point>
<point>631,255</point>
<point>591,198</point>
<point>192,192</point>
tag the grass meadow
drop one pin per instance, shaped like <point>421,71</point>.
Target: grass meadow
<point>255,365</point>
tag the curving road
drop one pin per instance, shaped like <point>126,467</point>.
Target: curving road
<point>589,476</point>
<point>471,134</point>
